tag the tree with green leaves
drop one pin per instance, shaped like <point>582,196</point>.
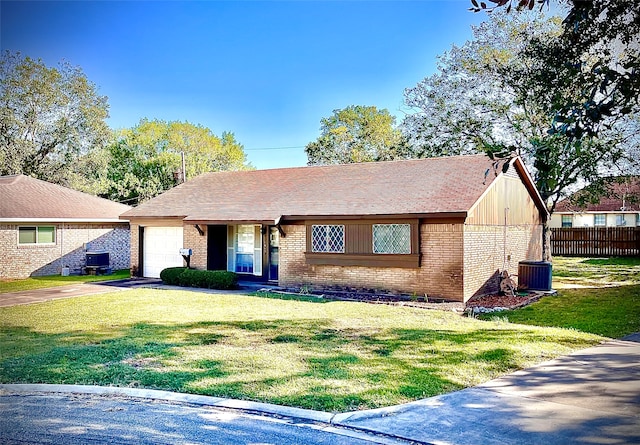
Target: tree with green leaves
<point>489,96</point>
<point>49,117</point>
<point>145,160</point>
<point>357,134</point>
<point>599,50</point>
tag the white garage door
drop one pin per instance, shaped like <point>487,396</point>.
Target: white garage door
<point>161,249</point>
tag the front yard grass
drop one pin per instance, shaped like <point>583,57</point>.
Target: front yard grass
<point>596,295</point>
<point>57,280</point>
<point>330,356</point>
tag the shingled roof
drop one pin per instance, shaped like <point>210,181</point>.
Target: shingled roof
<point>25,198</point>
<point>621,196</point>
<point>434,186</point>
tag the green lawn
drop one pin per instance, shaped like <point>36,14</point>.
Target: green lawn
<point>600,296</point>
<point>331,356</point>
<point>57,280</point>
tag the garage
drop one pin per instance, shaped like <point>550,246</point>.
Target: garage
<point>161,247</point>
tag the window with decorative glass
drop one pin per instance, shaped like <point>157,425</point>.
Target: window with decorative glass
<point>36,235</point>
<point>327,238</point>
<point>392,238</point>
<point>567,221</point>
<point>600,220</point>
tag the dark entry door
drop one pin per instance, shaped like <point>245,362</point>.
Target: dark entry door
<point>274,253</point>
<point>217,247</point>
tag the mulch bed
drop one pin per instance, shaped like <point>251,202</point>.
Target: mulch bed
<point>487,303</point>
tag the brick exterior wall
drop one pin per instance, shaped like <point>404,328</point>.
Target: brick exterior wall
<point>488,250</point>
<point>21,261</point>
<point>440,273</point>
<point>197,243</point>
<point>457,261</point>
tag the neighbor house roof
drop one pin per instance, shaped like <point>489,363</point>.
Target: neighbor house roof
<point>623,195</point>
<point>434,186</point>
<point>28,199</point>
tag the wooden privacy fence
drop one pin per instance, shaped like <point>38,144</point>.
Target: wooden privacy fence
<point>596,241</point>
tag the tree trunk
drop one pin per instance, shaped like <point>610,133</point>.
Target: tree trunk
<point>546,241</point>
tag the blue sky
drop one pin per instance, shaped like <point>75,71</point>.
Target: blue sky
<point>267,71</point>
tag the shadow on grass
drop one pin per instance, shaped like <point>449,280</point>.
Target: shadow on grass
<point>336,369</point>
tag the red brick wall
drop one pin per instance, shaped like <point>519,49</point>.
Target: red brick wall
<point>20,261</point>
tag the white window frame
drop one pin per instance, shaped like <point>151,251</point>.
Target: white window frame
<point>37,231</point>
<point>324,233</point>
<point>604,220</point>
<point>379,248</point>
<point>621,220</point>
<point>568,223</point>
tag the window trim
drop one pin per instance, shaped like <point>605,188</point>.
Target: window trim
<point>568,224</point>
<point>595,219</point>
<point>397,225</point>
<point>37,233</point>
<point>326,238</point>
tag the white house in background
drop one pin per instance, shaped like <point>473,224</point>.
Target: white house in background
<point>621,208</point>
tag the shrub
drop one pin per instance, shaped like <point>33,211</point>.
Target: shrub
<point>171,275</point>
<point>210,279</point>
<point>220,279</point>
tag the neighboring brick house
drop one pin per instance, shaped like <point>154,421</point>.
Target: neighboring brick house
<point>620,207</point>
<point>45,227</point>
<point>445,227</point>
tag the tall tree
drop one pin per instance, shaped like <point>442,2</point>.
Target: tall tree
<point>489,95</point>
<point>145,160</point>
<point>599,49</point>
<point>48,117</point>
<point>357,134</point>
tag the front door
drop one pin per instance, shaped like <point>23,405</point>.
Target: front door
<point>217,247</point>
<point>274,251</point>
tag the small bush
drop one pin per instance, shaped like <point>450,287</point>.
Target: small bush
<point>171,275</point>
<point>220,279</point>
<point>209,279</point>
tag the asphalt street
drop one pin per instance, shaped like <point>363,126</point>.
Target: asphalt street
<point>107,419</point>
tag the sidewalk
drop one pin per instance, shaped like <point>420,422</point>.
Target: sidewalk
<point>589,397</point>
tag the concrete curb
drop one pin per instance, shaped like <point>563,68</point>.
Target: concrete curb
<point>168,396</point>
<point>296,414</point>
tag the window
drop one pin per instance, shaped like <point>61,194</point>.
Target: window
<point>567,221</point>
<point>244,248</point>
<point>37,235</point>
<point>620,221</point>
<point>600,220</point>
<point>392,238</point>
<point>327,238</point>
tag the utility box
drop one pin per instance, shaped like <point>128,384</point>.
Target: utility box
<point>97,259</point>
<point>534,275</point>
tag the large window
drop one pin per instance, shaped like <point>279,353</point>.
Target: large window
<point>620,220</point>
<point>392,238</point>
<point>567,221</point>
<point>327,238</point>
<point>36,235</point>
<point>600,220</point>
